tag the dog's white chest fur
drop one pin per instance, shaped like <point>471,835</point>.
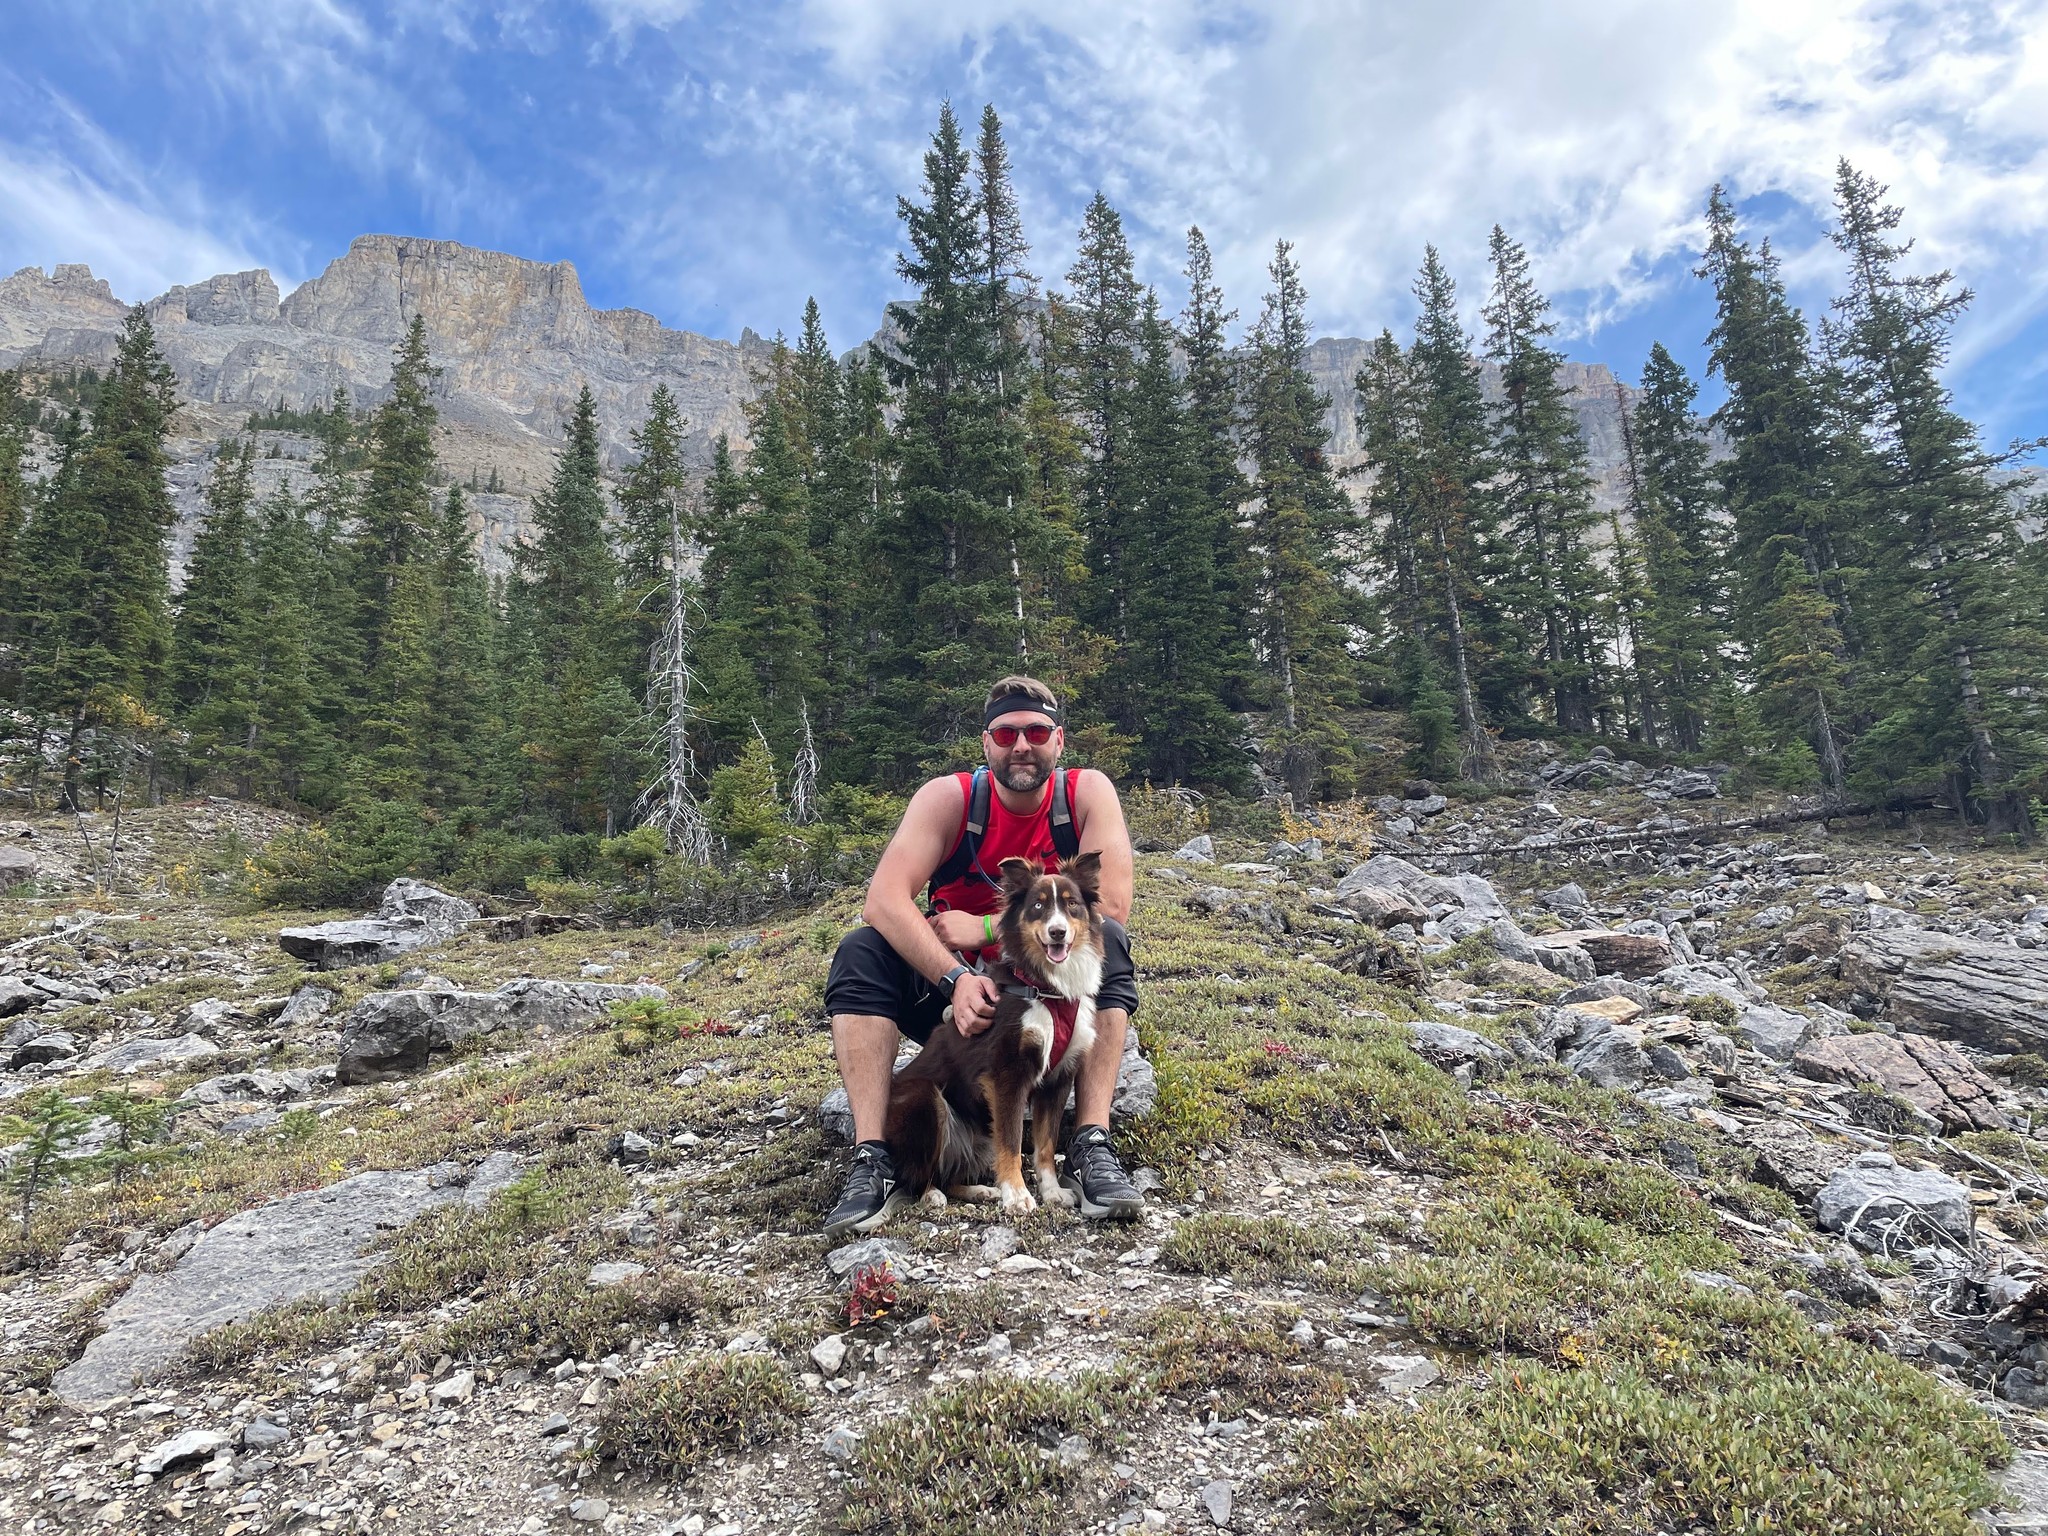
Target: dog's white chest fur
<point>1078,976</point>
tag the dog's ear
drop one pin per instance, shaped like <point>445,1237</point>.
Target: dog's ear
<point>1085,870</point>
<point>1019,875</point>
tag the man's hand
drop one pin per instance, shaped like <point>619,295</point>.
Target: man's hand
<point>961,932</point>
<point>974,1002</point>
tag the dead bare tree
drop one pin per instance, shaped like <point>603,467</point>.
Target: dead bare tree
<point>671,802</point>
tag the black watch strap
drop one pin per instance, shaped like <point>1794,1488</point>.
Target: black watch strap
<point>952,978</point>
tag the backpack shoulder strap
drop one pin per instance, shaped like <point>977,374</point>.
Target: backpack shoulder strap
<point>1065,840</point>
<point>968,845</point>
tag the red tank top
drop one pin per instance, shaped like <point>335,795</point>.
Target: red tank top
<point>1007,836</point>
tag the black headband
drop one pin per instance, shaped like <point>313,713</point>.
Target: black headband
<point>1014,703</point>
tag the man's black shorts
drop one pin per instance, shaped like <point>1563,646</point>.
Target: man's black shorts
<point>871,978</point>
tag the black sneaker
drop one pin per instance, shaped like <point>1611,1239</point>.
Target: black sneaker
<point>1098,1180</point>
<point>868,1194</point>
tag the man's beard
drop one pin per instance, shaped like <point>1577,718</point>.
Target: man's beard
<point>1025,776</point>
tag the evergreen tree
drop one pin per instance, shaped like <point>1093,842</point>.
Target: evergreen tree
<point>1781,484</point>
<point>290,753</point>
<point>1298,517</point>
<point>1552,586</point>
<point>1105,305</point>
<point>650,499</point>
<point>1212,405</point>
<point>960,471</point>
<point>97,627</point>
<point>394,516</point>
<point>581,720</point>
<point>210,685</point>
<point>14,510</point>
<point>1964,655</point>
<point>1674,506</point>
<point>1173,674</point>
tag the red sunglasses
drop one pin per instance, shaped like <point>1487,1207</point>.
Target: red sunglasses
<point>1006,735</point>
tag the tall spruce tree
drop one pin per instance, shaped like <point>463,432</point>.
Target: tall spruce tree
<point>1212,405</point>
<point>211,688</point>
<point>1298,517</point>
<point>1552,584</point>
<point>289,753</point>
<point>394,514</point>
<point>581,717</point>
<point>960,470</point>
<point>1173,673</point>
<point>1684,625</point>
<point>1782,484</point>
<point>650,498</point>
<point>1963,655</point>
<point>96,627</point>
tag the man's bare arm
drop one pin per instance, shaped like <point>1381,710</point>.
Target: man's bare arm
<point>1099,823</point>
<point>920,845</point>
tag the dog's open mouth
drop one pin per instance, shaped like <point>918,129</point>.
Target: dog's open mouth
<point>1056,950</point>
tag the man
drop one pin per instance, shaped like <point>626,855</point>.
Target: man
<point>898,974</point>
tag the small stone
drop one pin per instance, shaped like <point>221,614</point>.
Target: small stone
<point>456,1389</point>
<point>1021,1264</point>
<point>1406,1373</point>
<point>1303,1332</point>
<point>179,1449</point>
<point>1198,850</point>
<point>261,1434</point>
<point>998,1243</point>
<point>554,1424</point>
<point>841,1441</point>
<point>631,1148</point>
<point>1949,1353</point>
<point>591,1510</point>
<point>829,1353</point>
<point>843,1263</point>
<point>1216,1500</point>
<point>615,1272</point>
<point>1072,1451</point>
<point>2025,1387</point>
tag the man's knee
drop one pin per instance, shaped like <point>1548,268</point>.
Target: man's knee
<point>1119,975</point>
<point>863,1029</point>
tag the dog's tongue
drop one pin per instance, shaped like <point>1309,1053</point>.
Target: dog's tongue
<point>1056,953</point>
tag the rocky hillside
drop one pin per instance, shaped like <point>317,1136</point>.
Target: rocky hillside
<point>1569,1161</point>
<point>516,340</point>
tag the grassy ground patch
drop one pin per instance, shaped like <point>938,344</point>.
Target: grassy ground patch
<point>668,1419</point>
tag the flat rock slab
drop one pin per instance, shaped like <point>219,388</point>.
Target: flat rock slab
<point>1789,1158</point>
<point>17,867</point>
<point>1991,996</point>
<point>308,1244</point>
<point>1448,1046</point>
<point>1930,1074</point>
<point>412,915</point>
<point>17,996</point>
<point>1634,955</point>
<point>134,1055</point>
<point>388,1034</point>
<point>1874,1194</point>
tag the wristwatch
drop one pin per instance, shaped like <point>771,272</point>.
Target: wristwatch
<point>952,978</point>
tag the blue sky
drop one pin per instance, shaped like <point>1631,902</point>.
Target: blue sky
<point>715,163</point>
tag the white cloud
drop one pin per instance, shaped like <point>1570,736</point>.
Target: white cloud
<point>1590,130</point>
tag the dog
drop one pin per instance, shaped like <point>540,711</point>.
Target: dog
<point>956,1112</point>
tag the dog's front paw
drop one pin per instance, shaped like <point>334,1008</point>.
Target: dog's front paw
<point>1017,1201</point>
<point>935,1199</point>
<point>1051,1192</point>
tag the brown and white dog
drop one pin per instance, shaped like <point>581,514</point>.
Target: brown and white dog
<point>956,1112</point>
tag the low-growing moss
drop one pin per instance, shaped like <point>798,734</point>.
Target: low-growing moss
<point>558,1314</point>
<point>1253,1247</point>
<point>1869,1446</point>
<point>981,1460</point>
<point>1231,1364</point>
<point>668,1419</point>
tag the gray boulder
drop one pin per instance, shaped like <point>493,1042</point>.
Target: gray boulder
<point>308,1005</point>
<point>1387,872</point>
<point>1991,996</point>
<point>17,866</point>
<point>1449,1047</point>
<point>58,1045</point>
<point>243,1087</point>
<point>1197,850</point>
<point>1875,1203</point>
<point>412,915</point>
<point>316,1243</point>
<point>388,1034</point>
<point>17,996</point>
<point>1773,1031</point>
<point>1569,897</point>
<point>1608,1057</point>
<point>157,1054</point>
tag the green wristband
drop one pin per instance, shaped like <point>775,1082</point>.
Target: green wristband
<point>988,928</point>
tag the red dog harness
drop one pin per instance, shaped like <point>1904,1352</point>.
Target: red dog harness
<point>1065,1011</point>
